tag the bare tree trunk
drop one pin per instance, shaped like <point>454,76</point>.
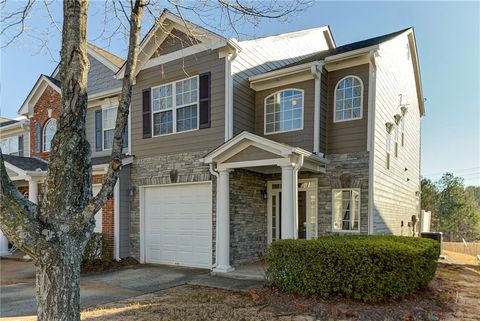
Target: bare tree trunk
<point>58,283</point>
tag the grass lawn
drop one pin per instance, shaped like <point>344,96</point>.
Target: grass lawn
<point>453,295</point>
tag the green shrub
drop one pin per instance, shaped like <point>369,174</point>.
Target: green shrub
<point>96,251</point>
<point>368,268</point>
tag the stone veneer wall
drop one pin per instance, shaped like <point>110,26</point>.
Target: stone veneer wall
<point>162,169</point>
<point>344,171</point>
<point>248,216</point>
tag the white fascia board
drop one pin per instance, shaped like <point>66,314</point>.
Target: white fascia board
<point>14,168</point>
<point>107,63</point>
<point>105,93</point>
<point>350,54</point>
<point>281,72</point>
<point>11,126</point>
<point>42,80</point>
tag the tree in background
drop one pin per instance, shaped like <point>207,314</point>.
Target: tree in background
<point>455,209</point>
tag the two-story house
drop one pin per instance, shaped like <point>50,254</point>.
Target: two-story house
<point>235,144</point>
<point>42,109</point>
<point>240,143</point>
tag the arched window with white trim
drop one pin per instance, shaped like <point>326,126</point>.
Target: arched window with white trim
<point>48,132</point>
<point>284,111</point>
<point>348,99</point>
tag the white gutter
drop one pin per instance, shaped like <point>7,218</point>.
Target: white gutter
<point>281,72</point>
<point>350,54</point>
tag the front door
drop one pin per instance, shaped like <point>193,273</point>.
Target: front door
<point>307,209</point>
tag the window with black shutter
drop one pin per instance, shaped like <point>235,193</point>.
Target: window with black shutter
<point>205,100</point>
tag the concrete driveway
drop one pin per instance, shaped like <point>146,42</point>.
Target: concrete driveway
<point>17,284</point>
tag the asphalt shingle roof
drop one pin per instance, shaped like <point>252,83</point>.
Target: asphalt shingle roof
<point>26,163</point>
<point>346,48</point>
<point>8,122</point>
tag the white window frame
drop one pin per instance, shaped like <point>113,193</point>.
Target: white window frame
<point>359,209</point>
<point>7,141</point>
<point>402,131</point>
<point>335,100</point>
<point>388,149</point>
<point>175,107</point>
<point>105,129</point>
<point>44,131</point>
<point>396,133</point>
<point>265,112</point>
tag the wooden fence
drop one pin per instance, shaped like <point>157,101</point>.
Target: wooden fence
<point>459,247</point>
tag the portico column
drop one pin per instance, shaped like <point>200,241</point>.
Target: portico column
<point>223,222</point>
<point>33,191</point>
<point>3,245</point>
<point>289,202</point>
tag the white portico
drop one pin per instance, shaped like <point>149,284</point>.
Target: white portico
<point>261,155</point>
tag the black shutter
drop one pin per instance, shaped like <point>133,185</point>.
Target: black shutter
<point>205,100</point>
<point>20,145</point>
<point>125,136</point>
<point>147,114</point>
<point>38,138</point>
<point>98,130</point>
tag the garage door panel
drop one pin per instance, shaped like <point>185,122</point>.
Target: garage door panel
<point>178,225</point>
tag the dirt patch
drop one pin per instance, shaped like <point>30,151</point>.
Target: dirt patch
<point>453,295</point>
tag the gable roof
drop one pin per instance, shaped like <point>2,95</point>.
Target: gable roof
<point>107,58</point>
<point>26,163</point>
<point>167,21</point>
<point>42,82</point>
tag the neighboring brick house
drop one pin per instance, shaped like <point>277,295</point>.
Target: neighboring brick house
<point>42,107</point>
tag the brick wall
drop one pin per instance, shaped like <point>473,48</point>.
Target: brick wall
<point>108,228</point>
<point>50,99</point>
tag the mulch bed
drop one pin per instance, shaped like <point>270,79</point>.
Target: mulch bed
<point>102,266</point>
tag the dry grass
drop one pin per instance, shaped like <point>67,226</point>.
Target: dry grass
<point>460,258</point>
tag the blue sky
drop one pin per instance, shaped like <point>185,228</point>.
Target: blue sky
<point>448,35</point>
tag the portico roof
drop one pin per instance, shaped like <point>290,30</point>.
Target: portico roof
<point>250,150</point>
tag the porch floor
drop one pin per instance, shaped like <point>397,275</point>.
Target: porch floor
<point>253,271</point>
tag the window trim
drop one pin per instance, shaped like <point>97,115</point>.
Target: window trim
<point>359,209</point>
<point>8,140</point>
<point>335,100</point>
<point>174,107</point>
<point>265,112</point>
<point>388,143</point>
<point>103,129</point>
<point>43,134</point>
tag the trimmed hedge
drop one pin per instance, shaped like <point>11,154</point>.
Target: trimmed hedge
<point>367,268</point>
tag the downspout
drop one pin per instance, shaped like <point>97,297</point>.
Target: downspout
<point>317,75</point>
<point>296,169</point>
<point>371,141</point>
<point>215,173</point>
<point>229,96</point>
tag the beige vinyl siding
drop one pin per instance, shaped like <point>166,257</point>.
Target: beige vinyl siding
<point>394,196</point>
<point>197,140</point>
<point>302,138</point>
<point>177,40</point>
<point>263,55</point>
<point>251,153</point>
<point>347,136</point>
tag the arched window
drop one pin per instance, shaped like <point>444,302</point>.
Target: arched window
<point>348,99</point>
<point>48,131</point>
<point>284,111</point>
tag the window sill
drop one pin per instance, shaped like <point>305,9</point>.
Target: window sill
<point>345,231</point>
<point>169,134</point>
<point>283,131</point>
<point>345,120</point>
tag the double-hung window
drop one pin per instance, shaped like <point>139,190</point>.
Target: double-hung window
<point>402,129</point>
<point>109,117</point>
<point>395,140</point>
<point>346,209</point>
<point>284,111</point>
<point>9,145</point>
<point>388,148</point>
<point>175,107</point>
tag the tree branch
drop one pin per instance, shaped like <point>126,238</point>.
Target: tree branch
<point>122,114</point>
<point>18,216</point>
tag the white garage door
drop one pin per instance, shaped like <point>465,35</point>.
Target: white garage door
<point>178,225</point>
